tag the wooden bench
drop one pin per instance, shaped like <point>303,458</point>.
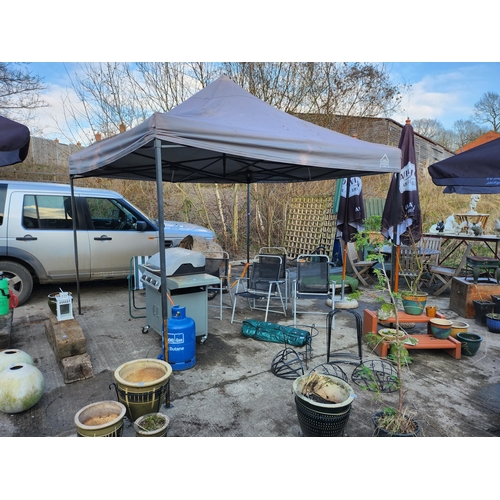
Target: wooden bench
<point>425,341</point>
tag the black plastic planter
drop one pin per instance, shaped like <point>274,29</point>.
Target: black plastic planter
<point>496,300</point>
<point>482,308</point>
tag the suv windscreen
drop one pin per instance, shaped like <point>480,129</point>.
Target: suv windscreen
<point>47,212</point>
<point>110,214</point>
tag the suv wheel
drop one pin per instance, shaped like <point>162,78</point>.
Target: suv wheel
<point>20,280</point>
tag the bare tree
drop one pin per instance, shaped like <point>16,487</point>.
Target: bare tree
<point>19,88</point>
<point>428,127</point>
<point>487,111</point>
<point>466,131</point>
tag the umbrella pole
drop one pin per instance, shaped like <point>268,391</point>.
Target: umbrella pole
<point>395,270</point>
<point>344,266</point>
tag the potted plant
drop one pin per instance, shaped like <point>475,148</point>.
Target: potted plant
<point>151,425</point>
<point>392,420</point>
<point>413,268</point>
<point>323,404</point>
<point>493,322</point>
<point>481,309</point>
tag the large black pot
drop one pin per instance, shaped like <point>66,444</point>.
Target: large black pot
<point>323,419</point>
<point>380,432</point>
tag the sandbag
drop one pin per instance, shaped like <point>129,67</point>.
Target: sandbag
<point>271,332</point>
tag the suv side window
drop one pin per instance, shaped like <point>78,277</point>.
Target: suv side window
<point>47,212</point>
<point>110,214</point>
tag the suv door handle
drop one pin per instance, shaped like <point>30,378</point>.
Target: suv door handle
<point>27,237</point>
<point>103,238</point>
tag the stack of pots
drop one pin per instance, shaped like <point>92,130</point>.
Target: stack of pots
<point>322,419</point>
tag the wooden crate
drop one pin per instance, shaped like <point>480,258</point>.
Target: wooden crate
<point>463,292</point>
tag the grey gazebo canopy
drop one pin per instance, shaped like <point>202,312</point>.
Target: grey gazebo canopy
<point>224,134</point>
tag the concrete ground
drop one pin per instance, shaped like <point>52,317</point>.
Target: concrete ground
<point>231,391</point>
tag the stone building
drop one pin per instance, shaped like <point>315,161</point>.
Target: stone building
<point>383,131</point>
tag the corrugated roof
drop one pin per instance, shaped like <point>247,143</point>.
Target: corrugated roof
<point>489,136</point>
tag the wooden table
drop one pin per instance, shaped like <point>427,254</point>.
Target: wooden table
<point>451,242</point>
<point>425,341</point>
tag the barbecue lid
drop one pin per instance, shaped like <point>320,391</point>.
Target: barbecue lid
<point>175,259</point>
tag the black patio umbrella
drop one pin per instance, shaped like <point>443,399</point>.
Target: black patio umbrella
<point>350,216</point>
<point>14,142</point>
<point>476,171</point>
<point>402,218</point>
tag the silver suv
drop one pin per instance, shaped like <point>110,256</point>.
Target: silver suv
<point>36,234</point>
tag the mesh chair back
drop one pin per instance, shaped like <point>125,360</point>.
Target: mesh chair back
<point>271,260</point>
<point>264,271</point>
<point>313,274</point>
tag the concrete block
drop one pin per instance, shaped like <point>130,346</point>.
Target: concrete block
<point>76,368</point>
<point>65,337</point>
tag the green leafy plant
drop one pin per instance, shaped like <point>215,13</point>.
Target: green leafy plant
<point>373,223</point>
<point>152,422</point>
<point>396,420</point>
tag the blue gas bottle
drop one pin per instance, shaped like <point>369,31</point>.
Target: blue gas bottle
<point>181,340</point>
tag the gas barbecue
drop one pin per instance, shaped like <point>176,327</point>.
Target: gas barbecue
<point>187,285</point>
